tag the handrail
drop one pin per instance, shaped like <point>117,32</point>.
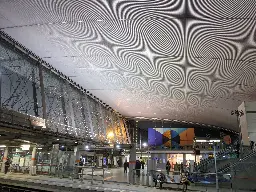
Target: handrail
<point>93,168</point>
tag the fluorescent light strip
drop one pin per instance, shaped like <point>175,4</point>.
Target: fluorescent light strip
<point>206,141</point>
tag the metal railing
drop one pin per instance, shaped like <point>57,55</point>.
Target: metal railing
<point>89,173</point>
<point>47,169</point>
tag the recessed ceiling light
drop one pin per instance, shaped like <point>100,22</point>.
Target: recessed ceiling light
<point>154,113</point>
<point>58,139</point>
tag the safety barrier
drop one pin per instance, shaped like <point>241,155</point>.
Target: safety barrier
<point>46,169</point>
<point>88,173</point>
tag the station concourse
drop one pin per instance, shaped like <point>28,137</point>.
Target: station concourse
<point>127,95</point>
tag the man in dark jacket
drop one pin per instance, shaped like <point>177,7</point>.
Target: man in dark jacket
<point>126,165</point>
<point>6,166</point>
<point>138,167</point>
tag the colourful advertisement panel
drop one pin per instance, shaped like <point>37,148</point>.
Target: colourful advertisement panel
<point>170,137</point>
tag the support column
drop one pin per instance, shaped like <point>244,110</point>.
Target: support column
<point>76,162</point>
<point>33,157</point>
<point>184,159</point>
<point>33,162</point>
<point>132,162</point>
<point>77,155</point>
<point>42,90</point>
<point>34,93</point>
<point>4,159</point>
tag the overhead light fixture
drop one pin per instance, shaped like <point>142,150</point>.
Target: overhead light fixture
<point>57,139</point>
<point>2,146</point>
<point>205,141</point>
<point>25,147</point>
<point>144,144</point>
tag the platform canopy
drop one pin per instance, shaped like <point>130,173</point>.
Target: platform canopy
<point>186,60</point>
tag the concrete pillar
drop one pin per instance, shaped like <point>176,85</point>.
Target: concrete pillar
<point>4,159</point>
<point>77,155</point>
<point>76,161</point>
<point>33,162</point>
<point>33,157</point>
<point>132,162</point>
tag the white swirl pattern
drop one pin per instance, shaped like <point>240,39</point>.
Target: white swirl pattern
<point>192,60</point>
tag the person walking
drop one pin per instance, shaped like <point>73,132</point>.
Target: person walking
<point>137,168</point>
<point>126,165</point>
<point>142,164</point>
<point>181,168</point>
<point>168,167</point>
<point>7,165</point>
<point>252,144</point>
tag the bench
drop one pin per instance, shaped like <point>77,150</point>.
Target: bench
<point>167,180</point>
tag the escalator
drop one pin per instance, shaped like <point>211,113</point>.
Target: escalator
<point>223,157</point>
<point>244,173</point>
<point>246,155</point>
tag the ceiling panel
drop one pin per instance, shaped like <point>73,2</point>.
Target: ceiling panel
<point>192,60</point>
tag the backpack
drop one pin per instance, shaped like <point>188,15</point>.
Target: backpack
<point>161,177</point>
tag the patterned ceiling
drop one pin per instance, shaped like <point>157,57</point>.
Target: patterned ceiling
<point>191,60</point>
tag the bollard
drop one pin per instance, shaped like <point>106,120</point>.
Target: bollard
<point>92,175</point>
<point>103,176</point>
